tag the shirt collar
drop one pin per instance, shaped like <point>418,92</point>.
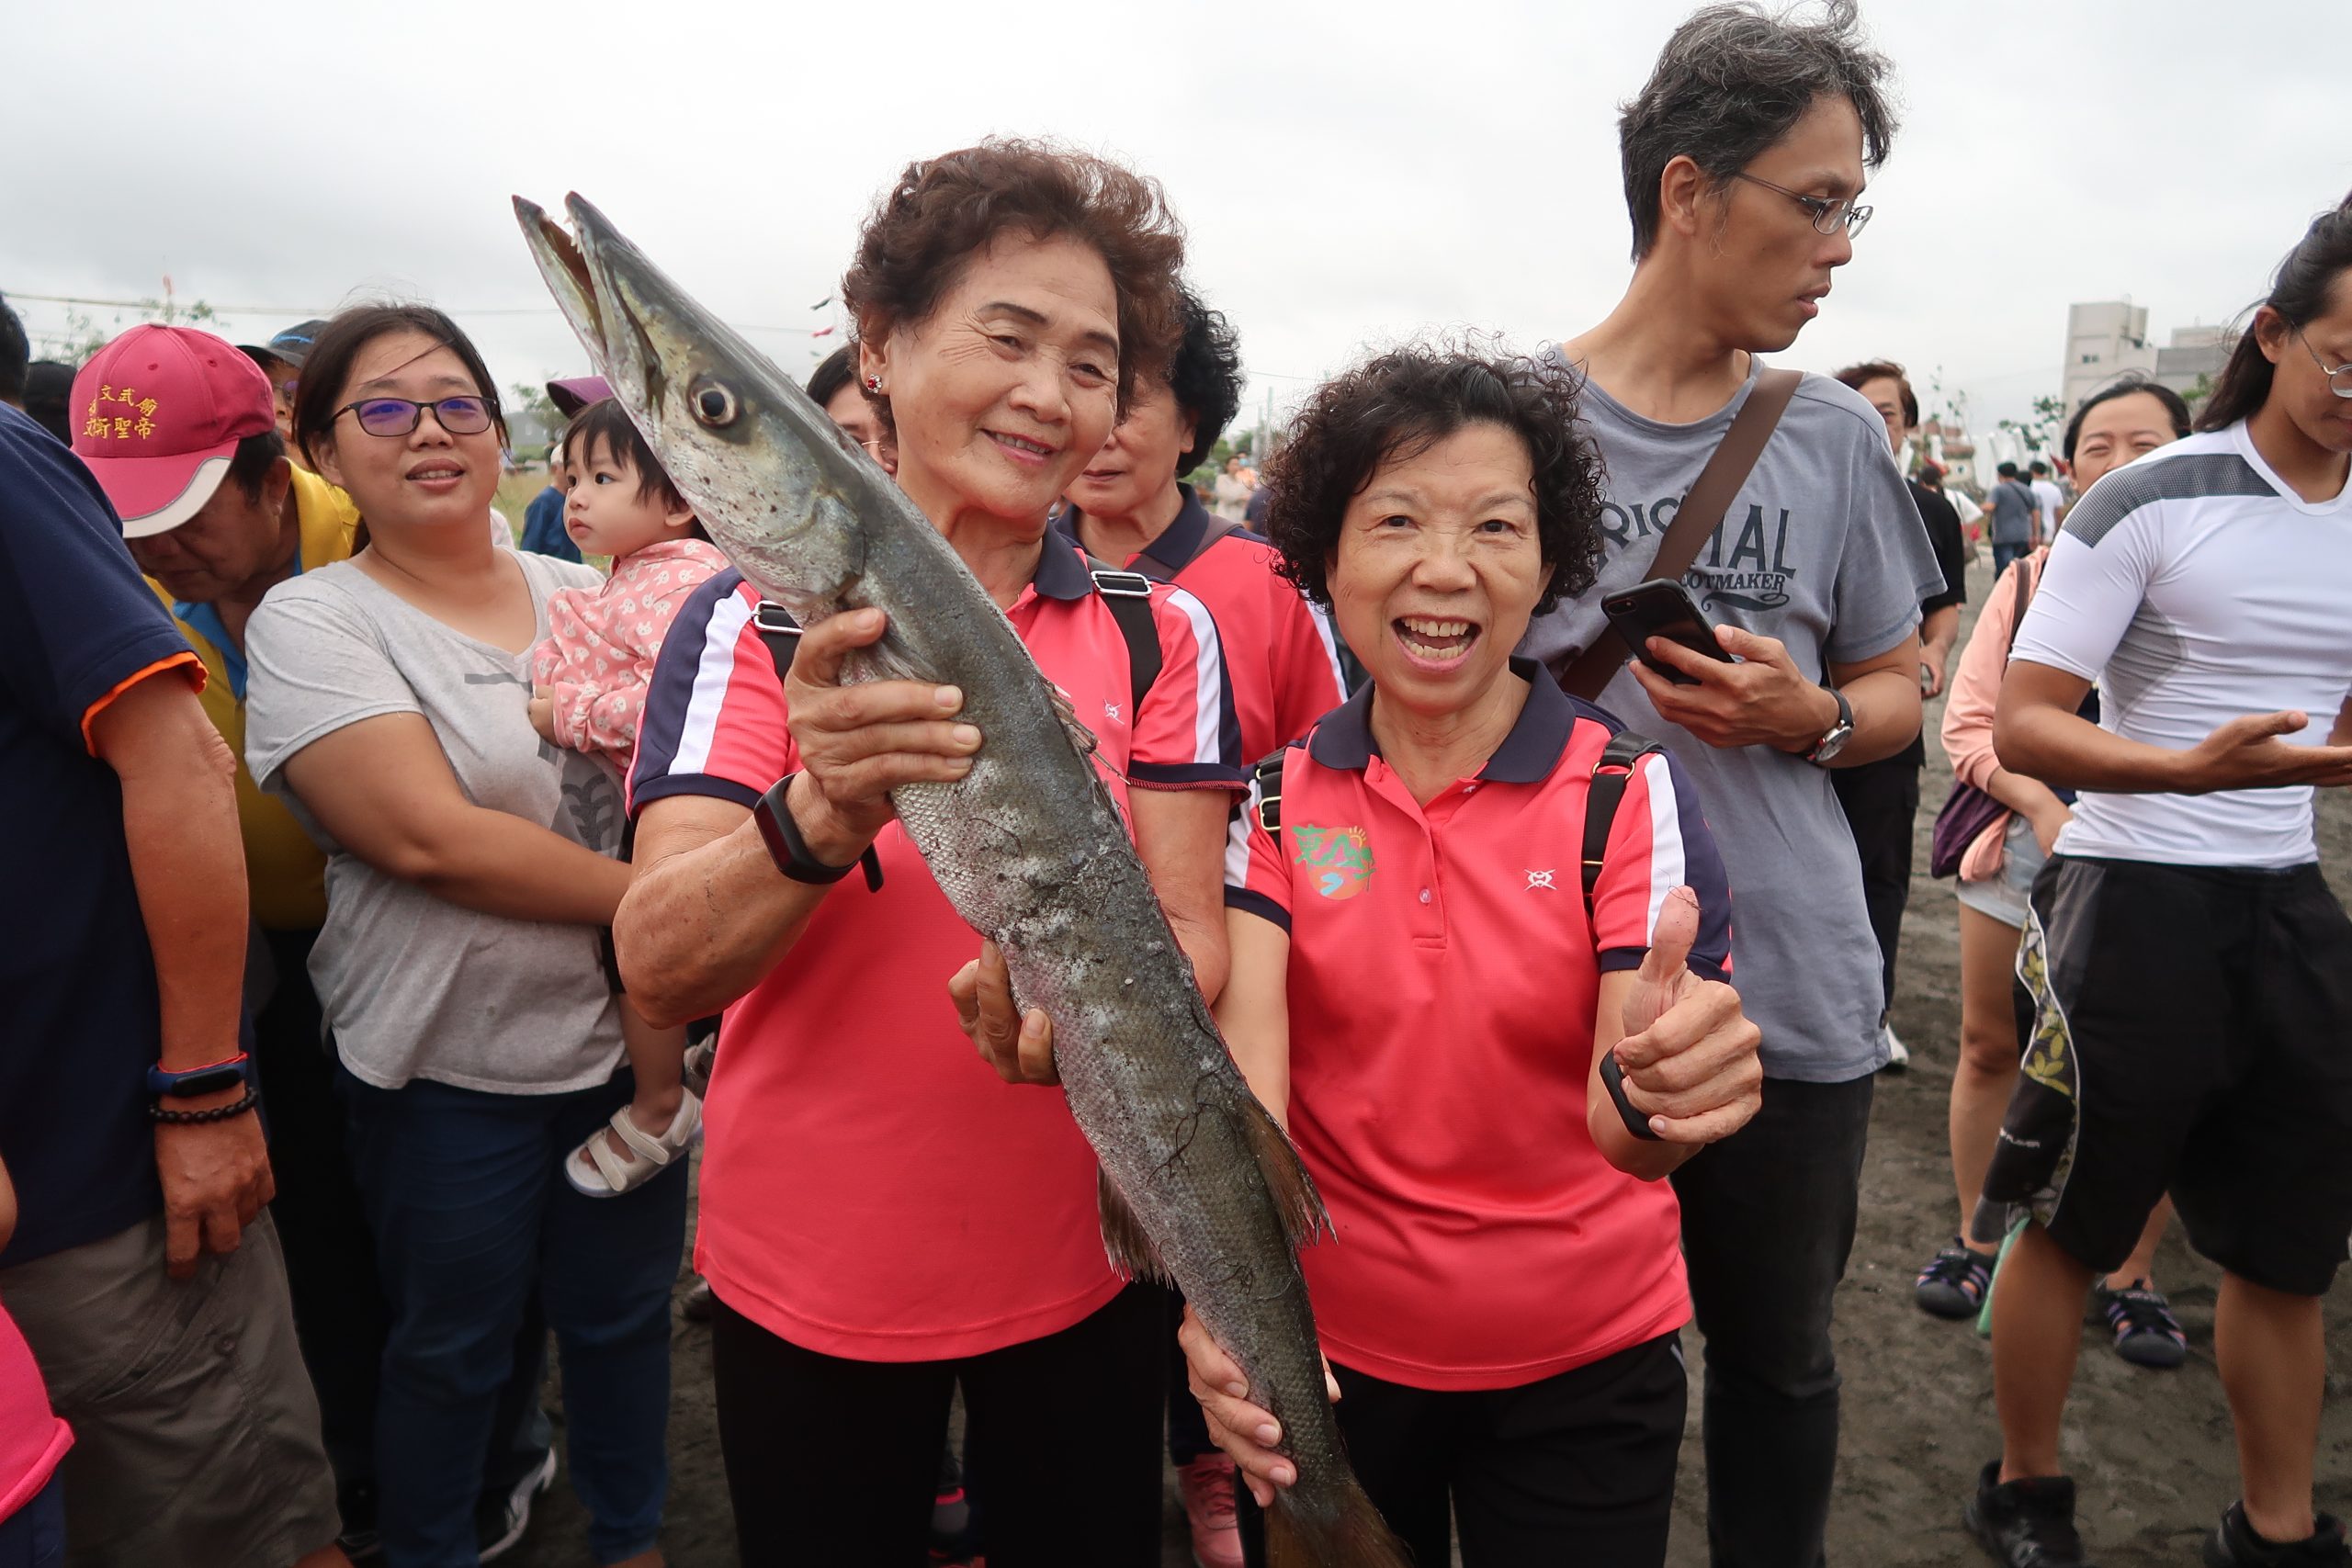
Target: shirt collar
<point>1528,754</point>
<point>1178,544</point>
<point>1061,569</point>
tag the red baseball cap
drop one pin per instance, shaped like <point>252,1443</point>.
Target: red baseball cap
<point>157,413</point>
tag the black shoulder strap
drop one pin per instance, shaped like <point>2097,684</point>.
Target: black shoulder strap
<point>779,631</point>
<point>1609,775</point>
<point>1127,595</point>
<point>782,634</point>
<point>1267,773</point>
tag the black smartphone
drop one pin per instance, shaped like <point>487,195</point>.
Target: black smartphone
<point>1662,607</point>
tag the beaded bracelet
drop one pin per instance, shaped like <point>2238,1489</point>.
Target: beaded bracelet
<point>218,1113</point>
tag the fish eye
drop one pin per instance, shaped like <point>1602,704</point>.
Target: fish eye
<point>713,402</point>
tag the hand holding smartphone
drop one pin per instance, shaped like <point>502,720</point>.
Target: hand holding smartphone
<point>1662,607</point>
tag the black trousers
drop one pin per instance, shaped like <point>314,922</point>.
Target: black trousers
<point>833,1462</point>
<point>1578,1467</point>
<point>1768,1223</point>
<point>1882,802</point>
<point>340,1313</point>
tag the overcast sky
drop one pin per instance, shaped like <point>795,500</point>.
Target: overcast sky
<point>1349,174</point>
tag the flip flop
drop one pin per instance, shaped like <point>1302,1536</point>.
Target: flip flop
<point>594,1170</point>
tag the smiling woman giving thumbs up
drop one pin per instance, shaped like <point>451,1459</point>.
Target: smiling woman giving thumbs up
<point>1480,943</point>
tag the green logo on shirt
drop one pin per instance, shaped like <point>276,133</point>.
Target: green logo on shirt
<point>1339,859</point>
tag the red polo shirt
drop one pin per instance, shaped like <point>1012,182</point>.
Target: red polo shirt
<point>1442,983</point>
<point>1281,648</point>
<point>870,1188</point>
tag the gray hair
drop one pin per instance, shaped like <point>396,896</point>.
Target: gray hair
<point>1731,82</point>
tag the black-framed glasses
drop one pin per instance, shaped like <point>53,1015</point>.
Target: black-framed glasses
<point>2339,377</point>
<point>467,415</point>
<point>1829,213</point>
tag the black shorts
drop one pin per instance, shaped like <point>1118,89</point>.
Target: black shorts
<point>2191,1032</point>
<point>1577,1468</point>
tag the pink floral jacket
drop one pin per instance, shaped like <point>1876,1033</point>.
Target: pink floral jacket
<point>601,644</point>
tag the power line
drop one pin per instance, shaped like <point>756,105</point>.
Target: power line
<point>299,311</point>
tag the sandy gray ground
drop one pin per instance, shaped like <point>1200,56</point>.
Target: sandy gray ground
<point>2151,1450</point>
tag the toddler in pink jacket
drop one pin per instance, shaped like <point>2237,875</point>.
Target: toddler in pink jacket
<point>588,681</point>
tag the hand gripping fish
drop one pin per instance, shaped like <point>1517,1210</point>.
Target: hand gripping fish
<point>1198,1183</point>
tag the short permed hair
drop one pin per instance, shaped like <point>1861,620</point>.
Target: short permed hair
<point>606,424</point>
<point>1205,377</point>
<point>1734,80</point>
<point>941,212</point>
<point>1854,375</point>
<point>1398,404</point>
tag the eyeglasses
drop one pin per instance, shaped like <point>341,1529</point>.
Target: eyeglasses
<point>398,416</point>
<point>2339,377</point>
<point>1829,213</point>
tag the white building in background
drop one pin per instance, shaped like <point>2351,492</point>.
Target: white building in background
<point>2104,340</point>
<point>2194,355</point>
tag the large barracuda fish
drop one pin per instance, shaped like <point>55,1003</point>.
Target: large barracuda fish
<point>1198,1183</point>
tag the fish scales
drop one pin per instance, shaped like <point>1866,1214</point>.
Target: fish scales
<point>1028,846</point>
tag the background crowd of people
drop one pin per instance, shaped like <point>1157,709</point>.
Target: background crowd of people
<point>413,904</point>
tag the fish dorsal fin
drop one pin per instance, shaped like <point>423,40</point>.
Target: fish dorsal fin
<point>1066,710</point>
<point>1130,1250</point>
<point>1296,1199</point>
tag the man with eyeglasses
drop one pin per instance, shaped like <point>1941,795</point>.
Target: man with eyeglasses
<point>1744,158</point>
<point>180,429</point>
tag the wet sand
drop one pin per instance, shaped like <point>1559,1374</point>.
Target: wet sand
<point>2150,1451</point>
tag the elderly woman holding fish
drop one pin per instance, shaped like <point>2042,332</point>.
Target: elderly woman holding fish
<point>1487,1121</point>
<point>882,1220</point>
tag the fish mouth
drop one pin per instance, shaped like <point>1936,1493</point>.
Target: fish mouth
<point>611,295</point>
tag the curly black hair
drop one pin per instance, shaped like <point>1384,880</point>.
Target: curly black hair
<point>1397,405</point>
<point>1204,373</point>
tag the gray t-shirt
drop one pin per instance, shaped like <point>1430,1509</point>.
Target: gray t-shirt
<point>2013,510</point>
<point>1823,550</point>
<point>413,986</point>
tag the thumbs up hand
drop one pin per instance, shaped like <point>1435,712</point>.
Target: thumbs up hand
<point>1688,1053</point>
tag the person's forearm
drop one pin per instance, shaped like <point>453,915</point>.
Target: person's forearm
<point>1887,715</point>
<point>2066,750</point>
<point>1939,632</point>
<point>2030,798</point>
<point>699,927</point>
<point>188,862</point>
<point>501,865</point>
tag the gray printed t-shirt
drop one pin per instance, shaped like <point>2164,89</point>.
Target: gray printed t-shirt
<point>1824,550</point>
<point>415,986</point>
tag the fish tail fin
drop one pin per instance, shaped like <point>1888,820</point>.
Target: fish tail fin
<point>1300,1205</point>
<point>1346,1533</point>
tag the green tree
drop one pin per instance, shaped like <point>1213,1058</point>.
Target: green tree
<point>2049,416</point>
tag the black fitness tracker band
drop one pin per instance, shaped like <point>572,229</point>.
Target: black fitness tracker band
<point>786,846</point>
<point>193,1082</point>
<point>1612,1077</point>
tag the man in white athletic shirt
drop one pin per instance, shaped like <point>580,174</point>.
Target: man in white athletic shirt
<point>2190,971</point>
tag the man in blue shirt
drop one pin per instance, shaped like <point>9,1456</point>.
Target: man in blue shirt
<point>127,1107</point>
<point>543,529</point>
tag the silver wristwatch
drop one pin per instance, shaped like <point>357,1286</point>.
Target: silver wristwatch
<point>1834,740</point>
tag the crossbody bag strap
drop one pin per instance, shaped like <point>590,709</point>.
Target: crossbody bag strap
<point>1711,496</point>
<point>2025,587</point>
<point>1610,774</point>
<point>1127,595</point>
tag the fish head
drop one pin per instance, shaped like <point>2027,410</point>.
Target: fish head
<point>774,482</point>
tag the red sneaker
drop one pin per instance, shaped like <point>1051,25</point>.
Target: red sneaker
<point>1207,1486</point>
